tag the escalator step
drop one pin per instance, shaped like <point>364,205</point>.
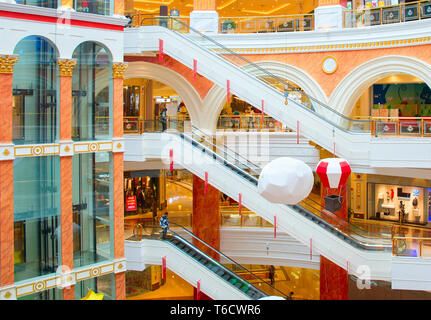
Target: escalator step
<point>238,285</point>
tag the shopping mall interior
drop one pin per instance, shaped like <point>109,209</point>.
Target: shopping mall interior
<point>215,150</point>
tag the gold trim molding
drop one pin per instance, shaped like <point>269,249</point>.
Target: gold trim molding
<point>118,69</point>
<point>7,62</point>
<point>66,67</point>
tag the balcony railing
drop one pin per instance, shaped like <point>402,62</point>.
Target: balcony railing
<point>291,23</point>
<point>388,14</point>
<point>399,126</point>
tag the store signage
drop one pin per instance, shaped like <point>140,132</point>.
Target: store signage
<point>131,203</point>
<point>410,127</point>
<point>386,128</point>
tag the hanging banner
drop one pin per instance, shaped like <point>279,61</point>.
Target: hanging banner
<point>311,249</point>
<point>160,50</point>
<point>164,267</point>
<point>171,160</point>
<point>239,203</point>
<point>228,91</point>
<point>275,227</point>
<point>297,132</point>
<point>131,203</point>
<point>198,290</point>
<point>195,69</point>
<point>206,183</point>
<point>263,108</point>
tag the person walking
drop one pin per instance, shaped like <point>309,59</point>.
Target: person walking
<point>271,274</point>
<point>164,224</point>
<point>163,117</point>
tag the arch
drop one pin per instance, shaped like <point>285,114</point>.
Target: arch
<point>213,105</point>
<point>216,97</point>
<point>108,51</point>
<point>51,43</point>
<point>349,90</point>
<point>291,74</point>
<point>177,82</point>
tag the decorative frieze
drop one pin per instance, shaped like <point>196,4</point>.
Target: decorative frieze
<point>118,69</point>
<point>7,62</point>
<point>66,67</point>
<point>61,280</point>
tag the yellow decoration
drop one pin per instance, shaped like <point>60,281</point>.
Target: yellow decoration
<point>118,70</point>
<point>6,152</point>
<point>66,67</point>
<point>91,295</point>
<point>7,62</point>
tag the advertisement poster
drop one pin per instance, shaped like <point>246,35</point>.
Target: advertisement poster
<point>131,203</point>
<point>411,99</point>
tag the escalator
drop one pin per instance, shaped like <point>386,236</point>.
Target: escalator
<point>234,276</point>
<point>346,244</point>
<point>318,122</point>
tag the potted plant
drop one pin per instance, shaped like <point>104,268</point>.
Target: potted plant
<point>228,26</point>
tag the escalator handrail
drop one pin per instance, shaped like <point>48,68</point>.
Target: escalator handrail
<point>319,206</point>
<point>215,261</point>
<point>230,151</point>
<point>268,73</point>
<point>330,226</point>
<point>224,256</point>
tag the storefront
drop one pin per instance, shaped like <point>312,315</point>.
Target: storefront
<point>391,199</point>
<point>144,192</point>
<point>398,203</point>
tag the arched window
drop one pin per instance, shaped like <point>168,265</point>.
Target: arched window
<point>92,93</point>
<point>35,92</point>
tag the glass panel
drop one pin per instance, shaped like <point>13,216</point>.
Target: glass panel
<point>51,294</point>
<point>39,3</point>
<point>35,91</point>
<point>103,284</point>
<point>92,93</point>
<point>91,195</point>
<point>93,6</point>
<point>36,216</point>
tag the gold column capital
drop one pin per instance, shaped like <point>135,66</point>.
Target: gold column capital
<point>66,67</point>
<point>118,69</point>
<point>7,62</point>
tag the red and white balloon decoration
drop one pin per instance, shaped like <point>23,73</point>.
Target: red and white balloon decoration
<point>333,172</point>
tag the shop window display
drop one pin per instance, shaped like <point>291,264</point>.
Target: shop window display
<point>403,204</point>
<point>102,7</point>
<point>142,193</point>
<point>39,3</point>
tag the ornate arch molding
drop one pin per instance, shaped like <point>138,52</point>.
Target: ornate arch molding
<point>349,90</point>
<point>292,74</point>
<point>169,77</point>
<point>216,97</point>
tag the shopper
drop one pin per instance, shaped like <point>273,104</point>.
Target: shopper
<point>163,117</point>
<point>271,274</point>
<point>251,119</point>
<point>164,224</point>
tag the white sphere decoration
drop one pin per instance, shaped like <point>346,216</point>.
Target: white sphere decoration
<point>285,180</point>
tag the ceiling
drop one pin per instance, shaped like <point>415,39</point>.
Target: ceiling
<point>230,8</point>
